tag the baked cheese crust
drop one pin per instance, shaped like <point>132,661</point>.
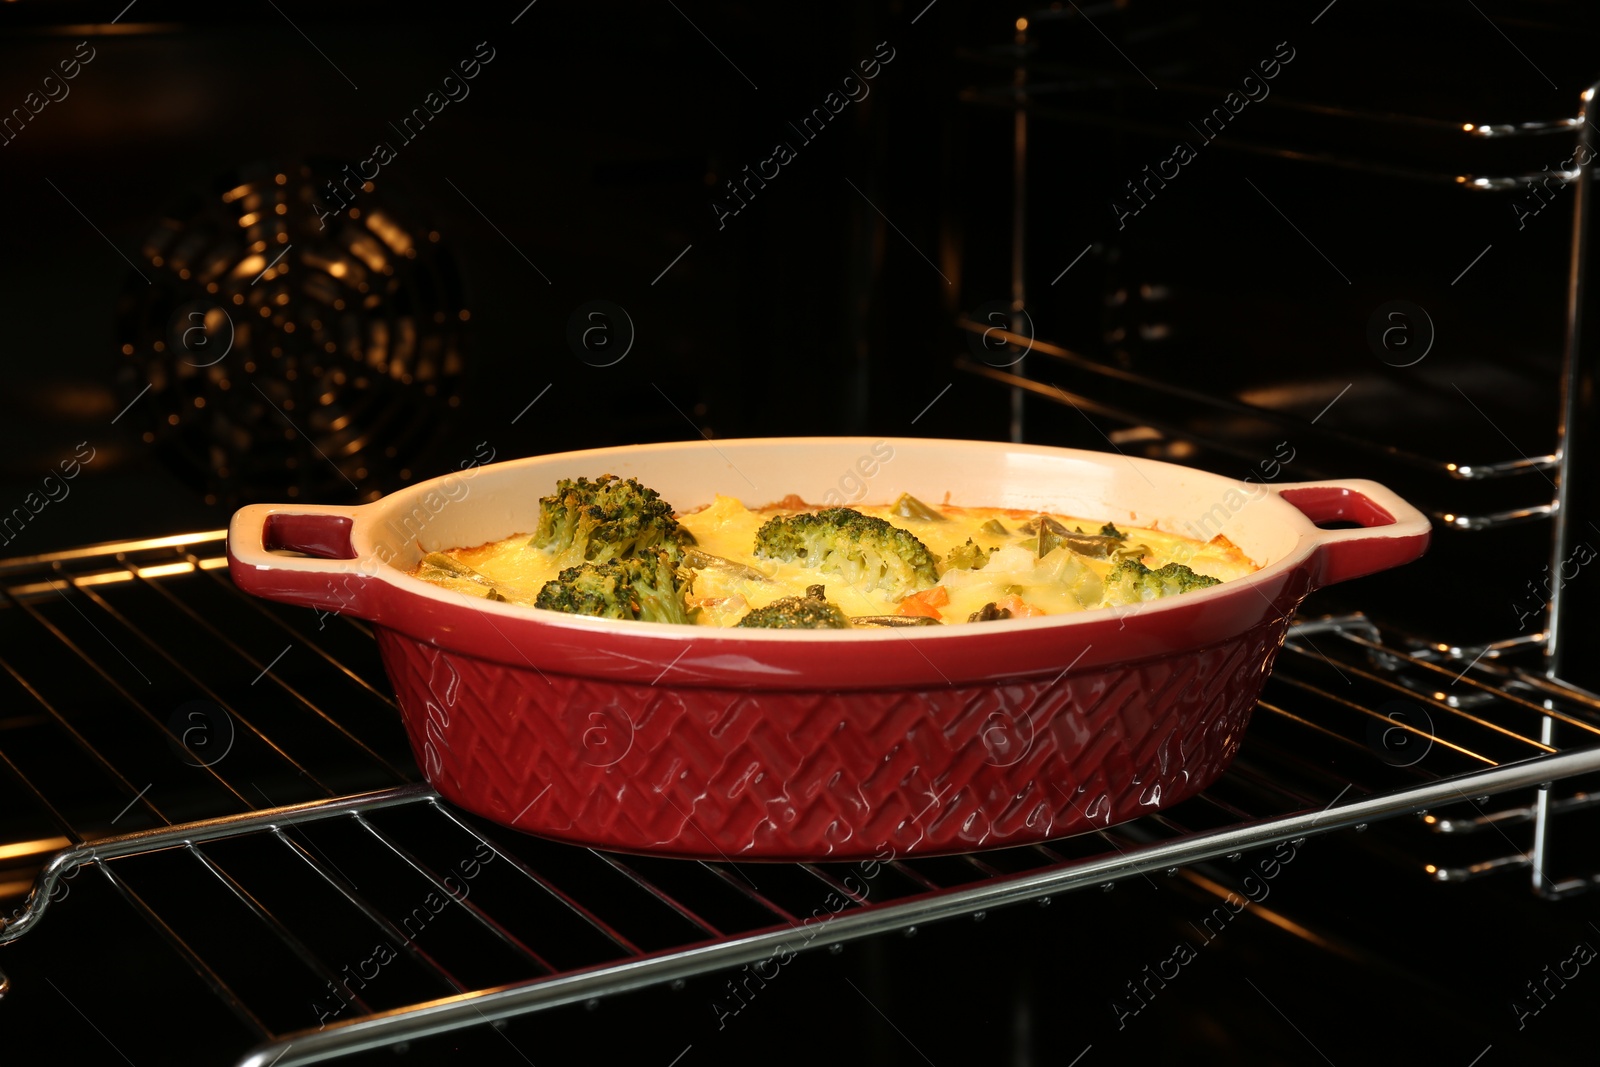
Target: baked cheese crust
<point>1061,582</point>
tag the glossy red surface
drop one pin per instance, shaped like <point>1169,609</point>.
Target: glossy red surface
<point>812,774</point>
<point>326,536</point>
<point>693,741</point>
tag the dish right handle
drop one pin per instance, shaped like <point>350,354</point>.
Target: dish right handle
<point>1391,531</point>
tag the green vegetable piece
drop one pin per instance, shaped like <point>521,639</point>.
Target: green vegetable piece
<point>648,588</point>
<point>865,551</point>
<point>695,559</point>
<point>895,620</point>
<point>993,528</point>
<point>909,507</point>
<point>809,612</point>
<point>448,564</point>
<point>1048,539</point>
<point>1052,535</point>
<point>967,557</point>
<point>1134,581</point>
<point>609,518</point>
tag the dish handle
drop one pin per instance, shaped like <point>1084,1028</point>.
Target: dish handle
<point>1391,531</point>
<point>321,575</point>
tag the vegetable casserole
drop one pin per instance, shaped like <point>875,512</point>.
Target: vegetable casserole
<point>613,548</point>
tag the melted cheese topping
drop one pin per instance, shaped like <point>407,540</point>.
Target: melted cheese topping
<point>1061,582</point>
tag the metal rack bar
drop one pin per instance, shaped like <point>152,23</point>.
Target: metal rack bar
<point>748,890</point>
<point>484,920</point>
<point>1019,208</point>
<point>1007,99</point>
<point>1575,480</point>
<point>201,969</point>
<point>44,802</point>
<point>285,686</point>
<point>656,891</point>
<point>1555,688</point>
<point>914,875</point>
<point>110,848</point>
<point>1541,709</point>
<point>989,871</point>
<point>1004,56</point>
<point>283,933</point>
<point>82,744</point>
<point>111,549</point>
<point>832,883</point>
<point>259,607</point>
<point>1369,713</point>
<point>194,680</point>
<point>345,888</point>
<point>121,691</point>
<point>1509,816</point>
<point>1281,756</point>
<point>1117,378</point>
<point>572,905</point>
<point>441,1016</point>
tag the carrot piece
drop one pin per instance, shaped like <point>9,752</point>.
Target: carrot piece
<point>1019,608</point>
<point>926,603</point>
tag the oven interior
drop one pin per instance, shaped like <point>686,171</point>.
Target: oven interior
<point>214,843</point>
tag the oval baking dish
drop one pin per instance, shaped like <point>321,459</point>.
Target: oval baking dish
<point>770,744</point>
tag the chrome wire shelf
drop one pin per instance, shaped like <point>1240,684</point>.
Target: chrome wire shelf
<point>1144,401</point>
<point>232,774</point>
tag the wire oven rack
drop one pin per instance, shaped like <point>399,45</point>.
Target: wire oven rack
<point>222,768</point>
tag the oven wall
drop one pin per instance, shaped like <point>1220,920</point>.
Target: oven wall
<point>586,162</point>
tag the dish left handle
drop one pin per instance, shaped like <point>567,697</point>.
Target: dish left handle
<point>301,555</point>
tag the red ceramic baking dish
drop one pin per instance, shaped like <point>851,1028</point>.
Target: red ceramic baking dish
<point>760,744</point>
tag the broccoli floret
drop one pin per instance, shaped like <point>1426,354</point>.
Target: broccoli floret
<point>646,587</point>
<point>867,552</point>
<point>967,557</point>
<point>609,518</point>
<point>809,612</point>
<point>1110,530</point>
<point>1131,580</point>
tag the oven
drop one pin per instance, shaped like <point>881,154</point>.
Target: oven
<point>312,254</point>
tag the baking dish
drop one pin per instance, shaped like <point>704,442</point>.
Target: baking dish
<point>759,744</point>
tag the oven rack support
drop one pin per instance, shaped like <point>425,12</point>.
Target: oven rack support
<point>1028,92</point>
<point>1577,484</point>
